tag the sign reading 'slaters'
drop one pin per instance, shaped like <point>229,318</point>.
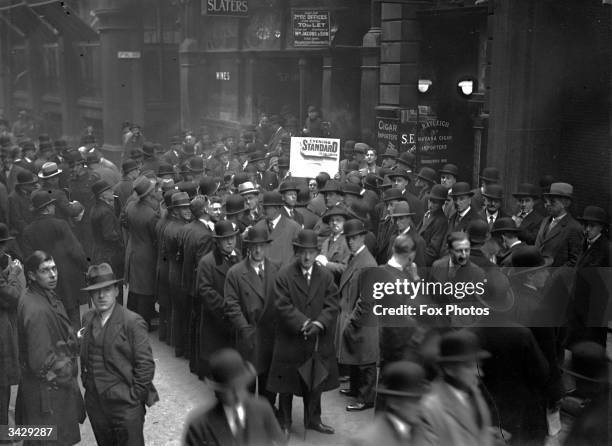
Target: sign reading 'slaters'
<point>309,156</point>
<point>231,8</point>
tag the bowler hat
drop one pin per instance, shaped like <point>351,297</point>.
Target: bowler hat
<point>497,293</point>
<point>27,145</point>
<point>4,233</point>
<point>41,199</point>
<point>527,259</point>
<point>595,214</point>
<point>399,173</point>
<point>288,185</point>
<point>332,186</point>
<point>354,227</point>
<point>272,198</point>
<point>390,153</point>
<point>175,140</point>
<point>250,169</point>
<point>460,346</point>
<point>208,185</point>
<point>564,190</point>
<point>349,146</point>
<point>438,193</point>
<point>545,182</point>
<point>504,224</point>
<point>372,181</point>
<point>188,186</point>
<point>225,228</point>
<point>257,235</point>
<point>306,238</point>
<point>49,170</point>
<point>361,147</point>
<point>478,231</point>
<point>257,156</point>
<point>165,169</point>
<point>25,177</point>
<point>526,190</point>
<point>428,174</point>
<point>589,362</point>
<point>240,178</point>
<point>490,175</point>
<point>129,166</point>
<point>180,199</point>
<point>229,371</point>
<point>460,189</point>
<point>351,189</point>
<point>407,158</point>
<point>247,188</point>
<point>60,145</point>
<point>196,164</point>
<point>393,194</point>
<point>401,209</point>
<point>143,186</point>
<point>449,169</point>
<point>335,211</point>
<point>494,192</point>
<point>45,146</point>
<point>148,149</point>
<point>360,209</point>
<point>403,379</point>
<point>100,276</point>
<point>73,157</point>
<point>99,186</point>
<point>234,204</point>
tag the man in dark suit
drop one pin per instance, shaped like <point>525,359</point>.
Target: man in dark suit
<point>434,226</point>
<point>116,362</point>
<point>489,177</point>
<point>493,199</point>
<point>403,218</point>
<point>236,417</point>
<point>307,304</point>
<point>464,212</point>
<point>401,181</point>
<point>125,187</point>
<point>528,219</point>
<point>249,305</point>
<point>301,207</point>
<point>250,193</point>
<point>289,191</point>
<point>506,231</point>
<point>560,235</point>
<point>215,330</point>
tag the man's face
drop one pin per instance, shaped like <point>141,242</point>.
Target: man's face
<point>358,156</point>
<point>332,198</point>
<point>306,257</point>
<point>492,205</point>
<point>227,244</point>
<point>104,298</point>
<point>214,211</point>
<point>388,162</point>
<point>400,183</point>
<point>433,205</point>
<point>261,166</point>
<point>462,202</point>
<point>465,372</point>
<point>592,229</point>
<point>355,242</point>
<point>460,252</point>
<point>185,213</point>
<point>403,222</point>
<point>554,206</point>
<point>46,275</point>
<point>252,201</point>
<point>290,198</point>
<point>391,204</point>
<point>370,157</point>
<point>526,204</point>
<point>312,185</point>
<point>336,224</point>
<point>447,180</point>
<point>313,114</point>
<point>224,158</point>
<point>257,251</point>
<point>264,121</point>
<point>271,212</point>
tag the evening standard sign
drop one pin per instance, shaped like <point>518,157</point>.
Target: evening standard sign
<point>309,156</point>
<point>311,28</point>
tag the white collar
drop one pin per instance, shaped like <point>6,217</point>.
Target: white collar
<point>208,223</point>
<point>515,243</point>
<point>462,214</point>
<point>405,231</point>
<point>105,315</point>
<point>594,239</point>
<point>276,220</point>
<point>309,271</point>
<point>402,428</point>
<point>394,263</point>
<point>557,219</point>
<point>359,250</point>
<point>229,415</point>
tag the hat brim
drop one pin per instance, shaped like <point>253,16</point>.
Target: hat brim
<point>6,239</point>
<point>499,230</point>
<point>26,183</point>
<point>237,212</point>
<point>592,219</point>
<point>147,192</point>
<point>489,179</point>
<point>279,204</point>
<point>326,218</point>
<point>481,354</point>
<point>54,174</point>
<point>523,195</point>
<point>51,201</point>
<point>249,191</point>
<point>548,194</point>
<point>429,180</point>
<point>247,377</point>
<point>353,234</point>
<point>300,245</point>
<point>252,242</point>
<point>461,194</point>
<point>448,172</point>
<point>491,197</point>
<point>100,285</point>
<point>226,235</point>
<point>403,214</point>
<point>520,270</point>
<point>97,194</point>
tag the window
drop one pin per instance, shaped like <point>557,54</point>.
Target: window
<point>90,82</point>
<point>51,72</point>
<point>19,68</point>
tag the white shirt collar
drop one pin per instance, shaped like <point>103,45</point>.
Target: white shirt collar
<point>402,428</point>
<point>230,416</point>
<point>276,220</point>
<point>359,250</point>
<point>105,315</point>
<point>394,263</point>
<point>309,271</point>
<point>462,214</point>
<point>405,231</point>
<point>208,223</point>
<point>594,239</point>
<point>515,243</point>
<point>557,219</point>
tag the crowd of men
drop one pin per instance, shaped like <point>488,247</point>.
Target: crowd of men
<point>240,256</point>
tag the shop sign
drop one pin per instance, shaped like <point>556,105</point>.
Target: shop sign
<point>434,141</point>
<point>387,132</point>
<point>128,54</point>
<point>310,156</point>
<point>222,75</point>
<point>311,27</point>
<point>232,8</point>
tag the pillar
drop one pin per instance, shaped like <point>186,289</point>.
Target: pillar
<point>302,77</point>
<point>67,91</point>
<point>327,91</point>
<point>34,56</point>
<point>370,53</point>
<point>189,83</point>
<point>249,66</point>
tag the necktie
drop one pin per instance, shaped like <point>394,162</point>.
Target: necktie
<point>350,259</point>
<point>552,224</point>
<point>260,273</point>
<point>491,220</point>
<point>96,327</point>
<point>307,277</point>
<point>237,426</point>
<point>475,409</point>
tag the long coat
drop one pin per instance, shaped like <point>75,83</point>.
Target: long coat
<point>124,189</point>
<point>53,236</point>
<point>337,253</point>
<point>433,229</point>
<point>280,250</point>
<point>215,331</point>
<point>196,240</point>
<point>141,252</point>
<point>48,391</point>
<point>107,238</point>
<point>530,227</point>
<point>563,243</point>
<point>361,346</point>
<point>297,302</point>
<point>309,218</point>
<point>12,285</point>
<point>249,306</point>
<point>382,432</point>
<point>162,288</point>
<point>20,214</point>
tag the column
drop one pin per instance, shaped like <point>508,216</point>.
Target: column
<point>327,91</point>
<point>67,82</point>
<point>35,73</point>
<point>249,65</point>
<point>302,76</point>
<point>370,53</point>
<point>189,83</point>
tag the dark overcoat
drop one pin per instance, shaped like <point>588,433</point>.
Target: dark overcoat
<point>280,250</point>
<point>162,289</point>
<point>297,302</point>
<point>563,243</point>
<point>107,238</point>
<point>124,189</point>
<point>530,226</point>
<point>12,285</point>
<point>433,229</point>
<point>20,214</point>
<point>309,218</point>
<point>48,391</point>
<point>196,241</point>
<point>249,306</point>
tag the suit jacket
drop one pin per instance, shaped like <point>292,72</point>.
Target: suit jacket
<point>360,346</point>
<point>127,356</point>
<point>309,218</point>
<point>124,189</point>
<point>208,426</point>
<point>416,206</point>
<point>448,421</point>
<point>249,306</point>
<point>563,243</point>
<point>337,253</point>
<point>530,226</point>
<point>280,250</point>
<point>317,205</point>
<point>297,216</point>
<point>595,255</point>
<point>195,241</point>
<point>433,229</point>
<point>456,224</point>
<point>268,180</point>
<point>297,302</point>
<point>107,237</point>
<point>504,258</point>
<point>382,432</point>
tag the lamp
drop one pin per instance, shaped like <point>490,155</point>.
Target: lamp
<point>424,85</point>
<point>466,86</point>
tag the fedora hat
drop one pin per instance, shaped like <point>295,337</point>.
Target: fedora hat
<point>228,370</point>
<point>490,175</point>
<point>478,231</point>
<point>526,190</point>
<point>438,193</point>
<point>403,379</point>
<point>288,185</point>
<point>247,188</point>
<point>208,186</point>
<point>4,233</point>
<point>25,177</point>
<point>143,186</point>
<point>100,276</point>
<point>165,169</point>
<point>428,174</point>
<point>129,166</point>
<point>505,224</point>
<point>564,190</point>
<point>306,238</point>
<point>401,209</point>
<point>180,199</point>
<point>361,147</point>
<point>196,164</point>
<point>460,346</point>
<point>527,259</point>
<point>390,153</point>
<point>257,235</point>
<point>399,173</point>
<point>393,194</point>
<point>460,189</point>
<point>594,214</point>
<point>332,186</point>
<point>360,210</point>
<point>354,227</point>
<point>272,198</point>
<point>99,186</point>
<point>49,170</point>
<point>234,204</point>
<point>225,228</point>
<point>335,211</point>
<point>494,192</point>
<point>407,158</point>
<point>351,189</point>
<point>589,362</point>
<point>449,169</point>
<point>41,199</point>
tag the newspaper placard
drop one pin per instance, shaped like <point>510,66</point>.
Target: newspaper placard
<point>309,156</point>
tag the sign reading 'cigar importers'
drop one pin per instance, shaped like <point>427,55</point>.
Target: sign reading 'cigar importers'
<point>309,156</point>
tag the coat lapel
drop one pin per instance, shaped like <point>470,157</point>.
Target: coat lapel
<point>315,282</point>
<point>113,327</point>
<point>458,410</point>
<point>252,279</point>
<point>219,426</point>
